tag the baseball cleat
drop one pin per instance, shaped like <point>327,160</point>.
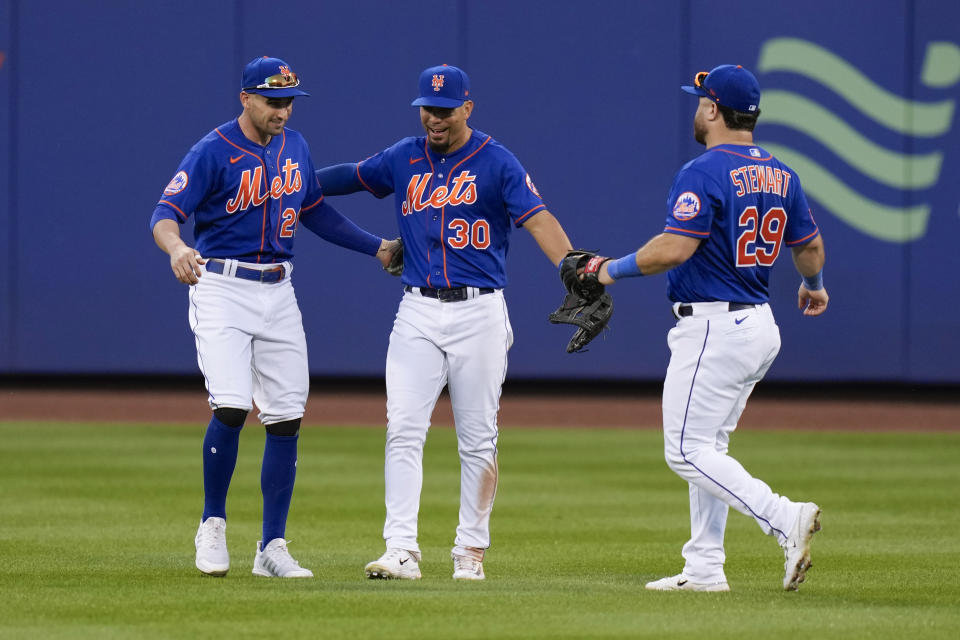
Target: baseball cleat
<point>395,563</point>
<point>467,567</point>
<point>213,558</point>
<point>797,548</point>
<point>683,583</point>
<point>274,561</point>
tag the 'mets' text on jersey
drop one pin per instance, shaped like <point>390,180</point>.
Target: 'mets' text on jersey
<point>455,211</point>
<point>746,206</point>
<point>246,199</point>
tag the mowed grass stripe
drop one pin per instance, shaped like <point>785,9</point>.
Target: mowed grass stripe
<point>97,523</point>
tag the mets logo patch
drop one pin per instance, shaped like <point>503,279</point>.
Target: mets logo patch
<point>687,206</point>
<point>437,81</point>
<point>178,184</point>
<point>532,186</point>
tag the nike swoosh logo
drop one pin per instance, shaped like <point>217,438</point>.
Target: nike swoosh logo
<point>680,583</point>
<point>237,159</point>
<point>404,561</point>
<point>739,320</point>
<point>415,160</point>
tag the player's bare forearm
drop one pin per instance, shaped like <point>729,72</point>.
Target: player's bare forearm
<point>184,261</point>
<point>549,235</point>
<point>661,253</point>
<point>809,259</point>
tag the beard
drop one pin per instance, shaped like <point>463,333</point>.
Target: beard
<point>699,132</point>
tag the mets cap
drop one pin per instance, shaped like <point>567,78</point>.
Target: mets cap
<point>271,77</point>
<point>730,85</point>
<point>443,86</point>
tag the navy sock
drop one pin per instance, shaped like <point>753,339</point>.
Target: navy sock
<point>276,482</point>
<point>219,461</point>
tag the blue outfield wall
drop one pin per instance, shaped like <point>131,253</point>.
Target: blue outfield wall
<point>100,100</point>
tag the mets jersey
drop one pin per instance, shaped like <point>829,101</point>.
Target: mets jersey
<point>246,199</point>
<point>746,206</point>
<point>454,211</point>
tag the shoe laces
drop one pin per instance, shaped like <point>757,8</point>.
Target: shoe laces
<point>280,555</point>
<point>466,563</point>
<point>398,554</point>
<point>213,535</point>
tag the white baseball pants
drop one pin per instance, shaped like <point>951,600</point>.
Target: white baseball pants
<point>462,345</point>
<point>250,344</point>
<point>717,357</point>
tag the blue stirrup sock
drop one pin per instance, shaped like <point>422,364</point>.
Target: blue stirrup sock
<point>276,482</point>
<point>219,461</point>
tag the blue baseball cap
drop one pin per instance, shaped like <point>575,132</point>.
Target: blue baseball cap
<point>730,85</point>
<point>271,77</point>
<point>443,86</point>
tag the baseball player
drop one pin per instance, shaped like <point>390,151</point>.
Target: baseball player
<point>457,193</point>
<point>249,184</point>
<point>730,213</point>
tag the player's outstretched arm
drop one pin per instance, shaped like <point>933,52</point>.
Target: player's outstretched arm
<point>550,236</point>
<point>812,297</point>
<point>661,253</point>
<point>184,261</point>
<point>339,179</point>
<point>331,225</point>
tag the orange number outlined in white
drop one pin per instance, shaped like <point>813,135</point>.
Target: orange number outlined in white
<point>769,228</point>
<point>288,223</point>
<point>476,235</point>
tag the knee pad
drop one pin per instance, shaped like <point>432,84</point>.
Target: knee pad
<point>285,428</point>
<point>230,416</point>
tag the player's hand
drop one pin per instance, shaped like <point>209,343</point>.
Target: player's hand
<point>386,251</point>
<point>812,303</point>
<point>185,263</point>
<point>603,275</point>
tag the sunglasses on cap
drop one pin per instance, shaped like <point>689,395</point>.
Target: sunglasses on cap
<point>278,81</point>
<point>699,78</point>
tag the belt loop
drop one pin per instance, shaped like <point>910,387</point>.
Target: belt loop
<point>230,267</point>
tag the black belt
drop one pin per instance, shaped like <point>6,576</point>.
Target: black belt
<point>453,294</point>
<point>685,310</point>
<point>270,276</point>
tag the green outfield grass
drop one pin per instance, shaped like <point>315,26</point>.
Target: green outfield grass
<point>97,526</point>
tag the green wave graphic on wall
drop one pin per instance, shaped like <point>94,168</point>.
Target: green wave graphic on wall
<point>892,168</point>
<point>894,224</point>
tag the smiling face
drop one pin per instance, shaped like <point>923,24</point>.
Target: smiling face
<point>446,129</point>
<point>265,116</point>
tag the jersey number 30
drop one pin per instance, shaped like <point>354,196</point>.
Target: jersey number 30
<point>760,238</point>
<point>477,234</point>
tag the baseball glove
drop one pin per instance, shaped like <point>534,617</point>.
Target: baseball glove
<point>590,317</point>
<point>579,271</point>
<point>395,268</point>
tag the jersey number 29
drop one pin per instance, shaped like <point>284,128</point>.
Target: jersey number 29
<point>769,229</point>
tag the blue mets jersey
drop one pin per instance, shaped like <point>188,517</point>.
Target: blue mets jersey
<point>746,206</point>
<point>246,199</point>
<point>455,211</point>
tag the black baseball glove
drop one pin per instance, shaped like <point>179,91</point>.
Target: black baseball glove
<point>395,268</point>
<point>590,317</point>
<point>579,272</point>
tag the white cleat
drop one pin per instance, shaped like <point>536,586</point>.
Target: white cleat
<point>467,568</point>
<point>797,548</point>
<point>213,558</point>
<point>395,563</point>
<point>681,582</point>
<point>276,562</point>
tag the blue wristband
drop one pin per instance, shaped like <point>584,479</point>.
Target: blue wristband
<point>814,283</point>
<point>625,267</point>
